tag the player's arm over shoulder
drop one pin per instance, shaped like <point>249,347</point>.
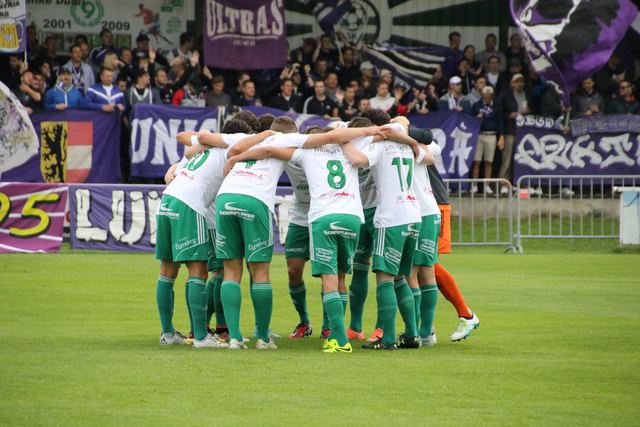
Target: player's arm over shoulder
<point>356,157</point>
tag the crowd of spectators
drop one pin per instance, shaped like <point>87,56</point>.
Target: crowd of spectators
<point>325,76</point>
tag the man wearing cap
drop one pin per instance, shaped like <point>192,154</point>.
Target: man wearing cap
<point>491,133</point>
<point>451,101</point>
<point>63,95</point>
<point>82,75</point>
<point>141,92</point>
<point>142,50</point>
<point>515,101</point>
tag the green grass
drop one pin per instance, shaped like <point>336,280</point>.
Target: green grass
<point>558,344</point>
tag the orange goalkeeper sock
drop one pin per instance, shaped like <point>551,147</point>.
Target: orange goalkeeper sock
<point>449,289</point>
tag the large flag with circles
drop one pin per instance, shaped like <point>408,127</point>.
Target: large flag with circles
<point>569,40</point>
<point>412,65</point>
<point>329,12</point>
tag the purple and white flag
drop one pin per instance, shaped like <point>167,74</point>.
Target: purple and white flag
<point>329,12</point>
<point>569,40</point>
<point>31,216</point>
<point>244,34</point>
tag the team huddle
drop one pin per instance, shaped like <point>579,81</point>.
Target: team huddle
<point>362,199</point>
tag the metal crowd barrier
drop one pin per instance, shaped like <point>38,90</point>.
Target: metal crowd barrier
<point>568,206</point>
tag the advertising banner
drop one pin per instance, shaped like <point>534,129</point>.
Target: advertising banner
<point>31,216</point>
<point>542,148</point>
<point>244,34</point>
<point>73,146</point>
<point>154,147</point>
<point>13,28</point>
<point>161,20</point>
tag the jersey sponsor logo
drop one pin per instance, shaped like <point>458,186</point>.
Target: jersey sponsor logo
<point>229,206</point>
<point>232,210</point>
<point>333,226</point>
<point>344,194</point>
<point>166,211</point>
<point>341,231</point>
<point>410,228</point>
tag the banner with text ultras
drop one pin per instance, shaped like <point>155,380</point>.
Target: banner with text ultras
<point>154,147</point>
<point>123,217</point>
<point>600,146</point>
<point>160,20</point>
<point>31,216</point>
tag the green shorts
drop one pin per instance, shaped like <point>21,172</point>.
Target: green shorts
<point>296,244</point>
<point>182,232</point>
<point>213,263</point>
<point>365,241</point>
<point>394,248</point>
<point>243,228</point>
<point>333,241</point>
<point>427,250</point>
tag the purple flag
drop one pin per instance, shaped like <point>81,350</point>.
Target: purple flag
<point>31,216</point>
<point>569,40</point>
<point>329,12</point>
<point>245,34</point>
<point>74,146</point>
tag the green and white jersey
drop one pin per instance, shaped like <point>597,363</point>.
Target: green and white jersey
<point>424,192</point>
<point>259,178</point>
<point>392,166</point>
<point>368,193</point>
<point>198,180</point>
<point>299,211</point>
<point>333,181</point>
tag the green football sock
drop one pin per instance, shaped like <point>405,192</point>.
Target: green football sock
<point>262,296</point>
<point>211,307</point>
<point>220,319</point>
<point>387,308</point>
<point>427,308</point>
<point>358,291</point>
<point>333,306</point>
<point>198,307</point>
<point>164,297</point>
<point>406,306</point>
<point>325,318</point>
<point>417,296</point>
<point>344,297</point>
<point>231,297</point>
<point>186,298</point>
<point>298,295</point>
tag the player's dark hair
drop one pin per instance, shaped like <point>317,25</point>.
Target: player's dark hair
<point>284,124</point>
<point>313,129</point>
<point>377,117</point>
<point>249,118</point>
<point>236,126</point>
<point>360,122</point>
<point>265,121</point>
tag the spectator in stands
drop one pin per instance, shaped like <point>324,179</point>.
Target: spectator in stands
<point>624,103</point>
<point>451,101</point>
<point>187,43</point>
<point>474,95</point>
<point>439,82</point>
<point>454,55</point>
<point>319,72</point>
<point>469,52</point>
<point>367,86</point>
<point>495,77</point>
<point>17,66</point>
<point>51,56</point>
<point>122,83</point>
<point>424,102</point>
<point>348,105</point>
<point>34,48</point>
<point>490,43</point>
<point>363,105</point>
<point>216,96</point>
<point>549,104</point>
<point>28,96</point>
<point>82,76</point>
<point>348,68</point>
<point>38,83</point>
<point>304,54</point>
<point>491,134</point>
<point>319,103</point>
<point>162,84</point>
<point>98,53</point>
<point>609,77</point>
<point>141,92</point>
<point>63,94</point>
<point>181,71</point>
<point>126,66</point>
<point>327,51</point>
<point>143,50</point>
<point>515,52</point>
<point>587,101</point>
<point>332,89</point>
<point>48,78</point>
<point>111,62</point>
<point>383,99</point>
<point>286,100</point>
<point>463,71</point>
<point>191,95</point>
<point>248,97</point>
<point>514,101</point>
<point>104,96</point>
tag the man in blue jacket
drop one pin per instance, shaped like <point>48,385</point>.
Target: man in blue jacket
<point>104,96</point>
<point>63,95</point>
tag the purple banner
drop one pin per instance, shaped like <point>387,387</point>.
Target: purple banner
<point>244,34</point>
<point>546,150</point>
<point>605,124</point>
<point>74,146</point>
<point>154,147</point>
<point>570,40</point>
<point>114,217</point>
<point>456,134</point>
<point>31,216</point>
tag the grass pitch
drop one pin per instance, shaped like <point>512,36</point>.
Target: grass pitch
<point>558,344</point>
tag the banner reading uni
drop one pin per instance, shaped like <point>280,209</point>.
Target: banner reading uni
<point>245,34</point>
